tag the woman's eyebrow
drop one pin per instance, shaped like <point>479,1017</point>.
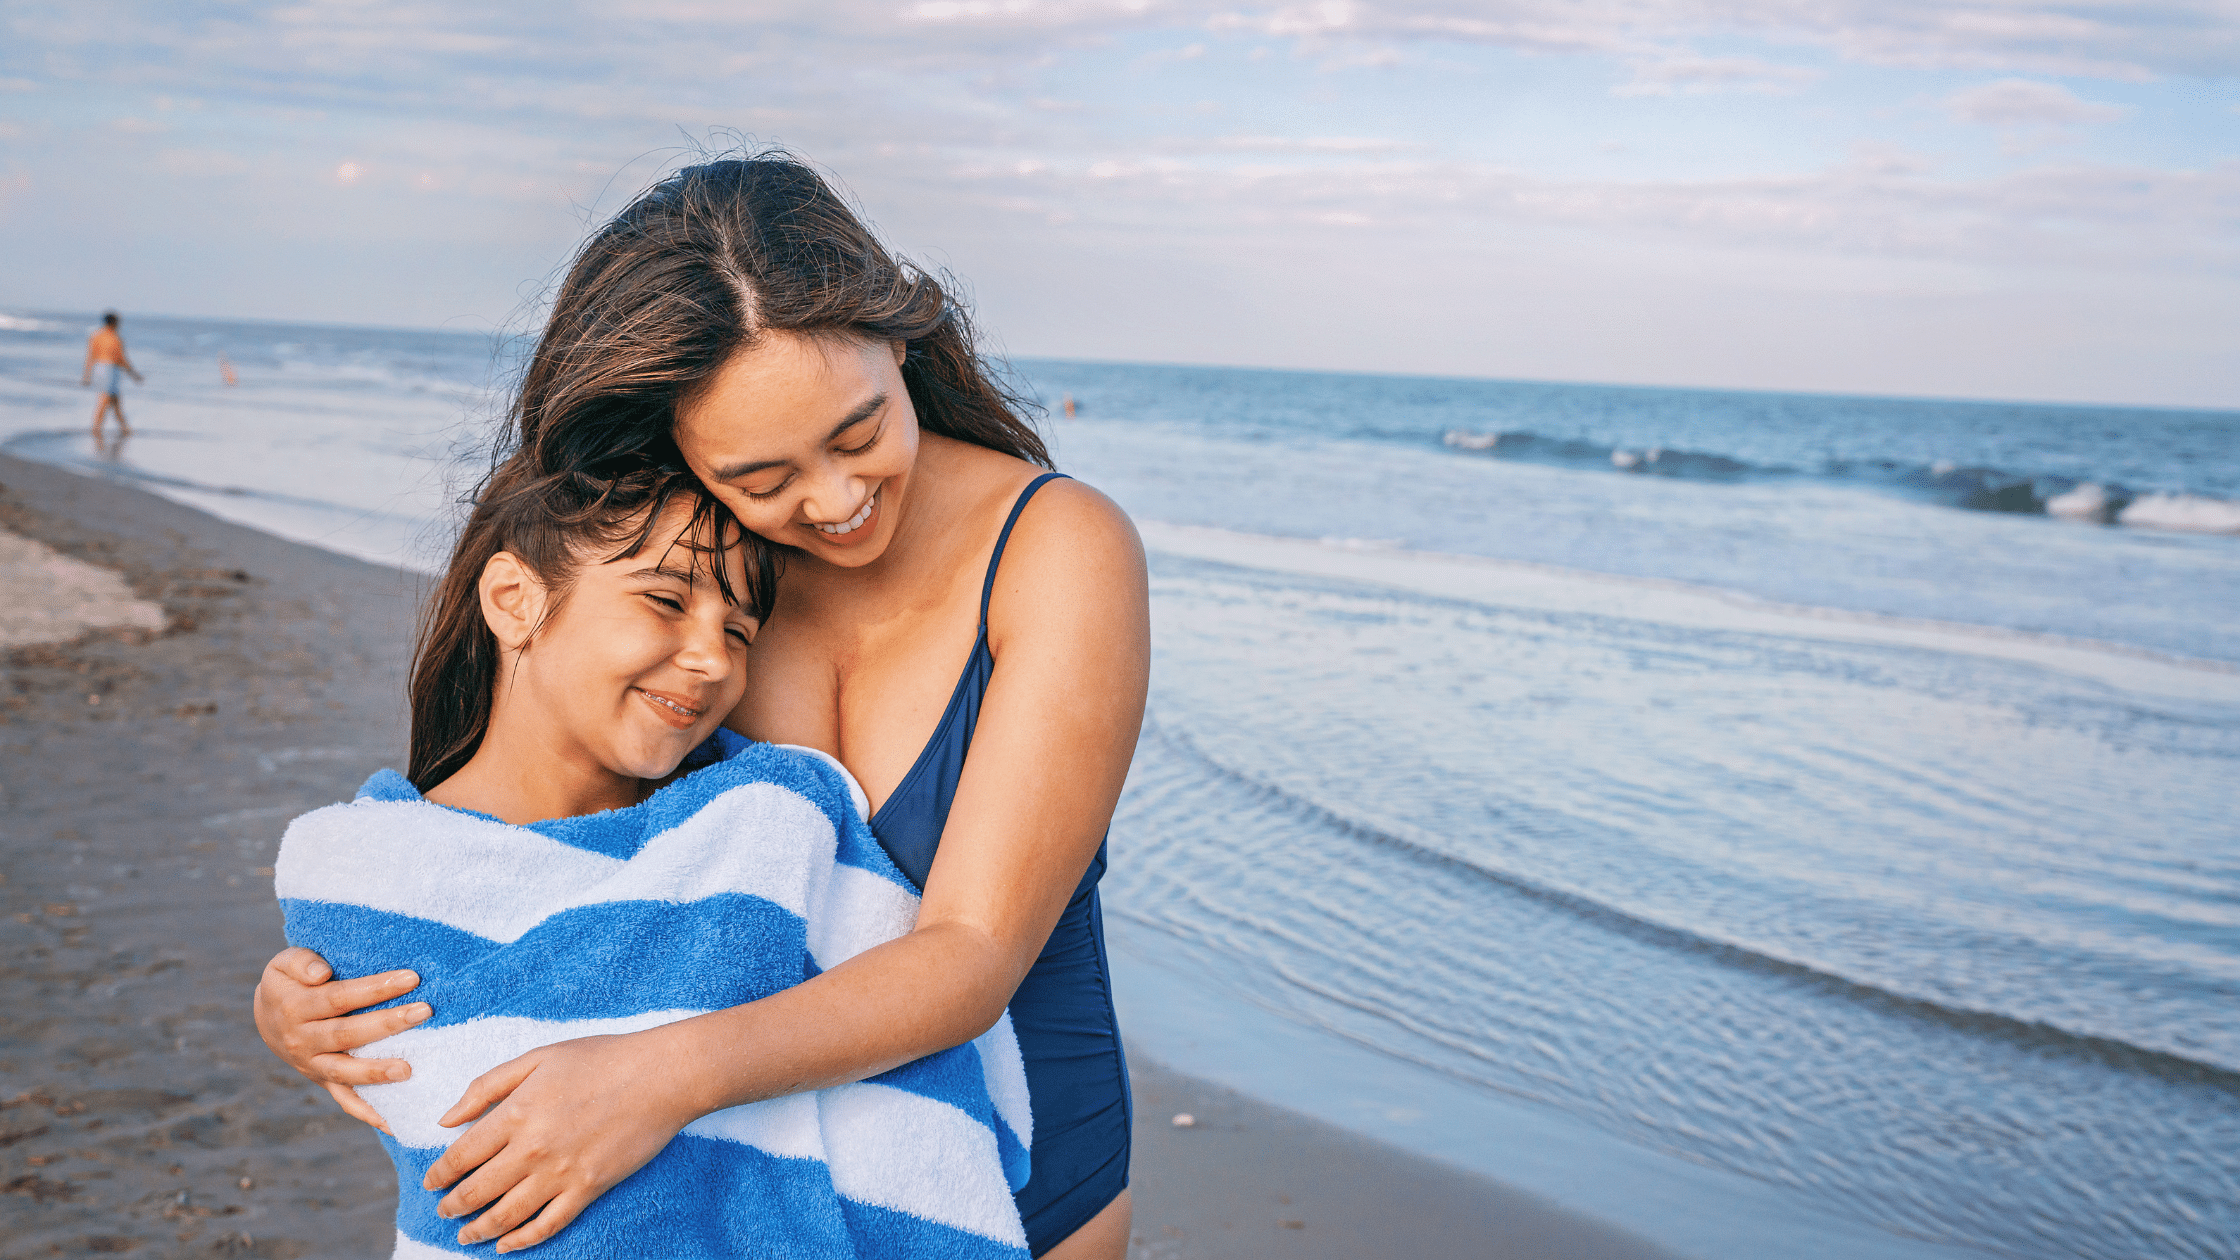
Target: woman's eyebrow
<point>862,412</point>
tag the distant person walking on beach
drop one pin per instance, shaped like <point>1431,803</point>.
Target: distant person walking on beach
<point>105,359</point>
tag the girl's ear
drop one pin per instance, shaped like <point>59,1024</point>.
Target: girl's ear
<point>513,600</point>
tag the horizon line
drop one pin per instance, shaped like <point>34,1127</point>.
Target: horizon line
<point>1004,358</point>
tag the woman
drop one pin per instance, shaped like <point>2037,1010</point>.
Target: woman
<point>738,318</point>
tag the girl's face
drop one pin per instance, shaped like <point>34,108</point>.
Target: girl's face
<point>638,663</point>
<point>809,442</point>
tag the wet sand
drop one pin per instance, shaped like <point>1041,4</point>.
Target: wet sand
<point>145,776</point>
<point>1249,1181</point>
<point>146,782</point>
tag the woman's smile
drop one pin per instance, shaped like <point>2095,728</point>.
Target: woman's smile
<point>674,709</point>
<point>851,531</point>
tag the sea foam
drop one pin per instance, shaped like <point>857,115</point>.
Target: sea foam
<point>2188,513</point>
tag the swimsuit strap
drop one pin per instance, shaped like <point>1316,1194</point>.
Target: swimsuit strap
<point>988,587</point>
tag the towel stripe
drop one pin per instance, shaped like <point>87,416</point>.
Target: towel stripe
<point>328,861</point>
<point>885,1144</point>
<point>579,964</point>
<point>446,1058</point>
<point>909,1149</point>
<point>367,853</point>
<point>742,879</point>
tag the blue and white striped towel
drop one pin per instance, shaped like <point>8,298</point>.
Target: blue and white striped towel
<point>745,877</point>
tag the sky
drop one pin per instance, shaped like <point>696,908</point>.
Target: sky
<point>1961,198</point>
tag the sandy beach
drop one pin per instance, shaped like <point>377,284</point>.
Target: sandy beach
<point>150,765</point>
<point>147,778</point>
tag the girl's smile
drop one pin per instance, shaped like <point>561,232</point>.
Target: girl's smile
<point>676,710</point>
<point>613,671</point>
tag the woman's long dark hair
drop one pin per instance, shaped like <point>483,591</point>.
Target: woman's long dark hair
<point>698,268</point>
<point>553,523</point>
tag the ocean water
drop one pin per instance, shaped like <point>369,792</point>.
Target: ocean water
<point>1779,825</point>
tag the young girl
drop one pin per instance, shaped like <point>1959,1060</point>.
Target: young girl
<point>552,877</point>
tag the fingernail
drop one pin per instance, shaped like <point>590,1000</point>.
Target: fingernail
<point>320,975</point>
<point>398,1073</point>
<point>418,1011</point>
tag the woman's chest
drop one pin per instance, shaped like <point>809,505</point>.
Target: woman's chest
<point>870,689</point>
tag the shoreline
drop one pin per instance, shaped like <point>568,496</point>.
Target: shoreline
<point>138,1112</point>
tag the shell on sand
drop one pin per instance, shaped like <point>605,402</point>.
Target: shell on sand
<point>47,597</point>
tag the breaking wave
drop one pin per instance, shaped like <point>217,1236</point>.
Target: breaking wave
<point>1972,488</point>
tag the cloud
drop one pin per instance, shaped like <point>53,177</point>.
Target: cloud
<point>199,163</point>
<point>1287,144</point>
<point>494,104</point>
<point>1324,17</point>
<point>1029,14</point>
<point>2136,41</point>
<point>1881,202</point>
<point>2026,103</point>
<point>1695,76</point>
<point>342,25</point>
<point>1021,139</point>
<point>665,61</point>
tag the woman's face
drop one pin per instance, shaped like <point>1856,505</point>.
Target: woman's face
<point>641,660</point>
<point>809,442</point>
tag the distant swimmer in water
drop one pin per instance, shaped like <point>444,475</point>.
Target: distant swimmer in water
<point>1069,406</point>
<point>105,359</point>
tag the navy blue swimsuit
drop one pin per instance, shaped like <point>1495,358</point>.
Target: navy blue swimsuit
<point>1077,1079</point>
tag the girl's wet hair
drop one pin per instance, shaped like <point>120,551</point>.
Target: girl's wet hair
<point>703,265</point>
<point>554,523</point>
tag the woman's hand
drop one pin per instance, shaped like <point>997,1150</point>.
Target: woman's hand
<point>565,1123</point>
<point>304,1015</point>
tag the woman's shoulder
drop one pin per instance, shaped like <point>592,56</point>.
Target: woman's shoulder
<point>1072,553</point>
<point>1073,506</point>
<point>990,482</point>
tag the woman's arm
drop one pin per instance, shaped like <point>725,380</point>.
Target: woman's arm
<point>1070,630</point>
